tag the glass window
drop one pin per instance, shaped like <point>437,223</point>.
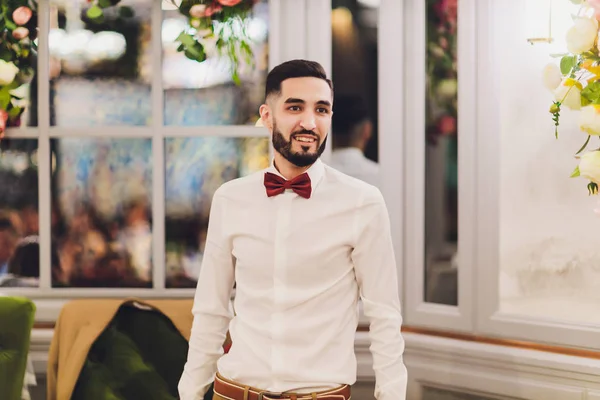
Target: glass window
<point>441,155</point>
<point>206,93</point>
<point>19,220</point>
<point>101,212</point>
<point>354,72</point>
<point>100,68</point>
<point>195,168</point>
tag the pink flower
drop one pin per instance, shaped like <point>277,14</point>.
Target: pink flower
<point>595,4</point>
<point>20,33</point>
<point>210,10</point>
<point>229,3</point>
<point>22,15</point>
<point>3,120</point>
<point>447,125</point>
<point>447,11</point>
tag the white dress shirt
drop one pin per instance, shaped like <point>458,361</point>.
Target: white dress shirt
<point>351,161</point>
<point>300,266</point>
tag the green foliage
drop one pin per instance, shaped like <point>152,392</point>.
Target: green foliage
<point>227,27</point>
<point>18,49</point>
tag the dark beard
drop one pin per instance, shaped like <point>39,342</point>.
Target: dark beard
<point>284,147</point>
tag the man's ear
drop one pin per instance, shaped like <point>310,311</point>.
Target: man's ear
<point>266,116</point>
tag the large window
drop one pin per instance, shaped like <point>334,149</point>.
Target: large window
<point>496,239</point>
<point>106,185</point>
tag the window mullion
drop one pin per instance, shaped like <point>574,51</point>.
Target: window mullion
<point>44,156</point>
<point>158,153</point>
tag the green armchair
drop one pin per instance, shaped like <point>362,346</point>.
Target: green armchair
<point>17,315</point>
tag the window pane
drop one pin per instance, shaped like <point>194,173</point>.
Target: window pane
<point>18,63</point>
<point>101,212</point>
<point>441,155</point>
<point>195,168</point>
<point>204,93</point>
<point>100,71</point>
<point>354,127</point>
<point>19,224</point>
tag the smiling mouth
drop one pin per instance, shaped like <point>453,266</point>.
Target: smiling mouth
<point>305,139</point>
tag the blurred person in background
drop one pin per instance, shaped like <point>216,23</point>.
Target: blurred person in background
<point>352,130</point>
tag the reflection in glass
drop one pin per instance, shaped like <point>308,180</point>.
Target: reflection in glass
<point>441,172</point>
<point>19,220</point>
<point>203,93</point>
<point>354,34</point>
<point>195,168</point>
<point>100,71</point>
<point>101,212</point>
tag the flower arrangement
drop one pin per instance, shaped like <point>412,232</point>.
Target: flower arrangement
<point>441,68</point>
<point>18,30</point>
<point>575,84</point>
<point>219,25</point>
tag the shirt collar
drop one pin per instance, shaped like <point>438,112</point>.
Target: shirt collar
<point>315,172</point>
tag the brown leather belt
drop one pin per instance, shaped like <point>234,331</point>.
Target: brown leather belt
<point>234,391</point>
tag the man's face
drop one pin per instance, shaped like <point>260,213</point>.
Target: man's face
<point>299,119</point>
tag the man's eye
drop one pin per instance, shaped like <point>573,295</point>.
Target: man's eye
<point>322,110</point>
<point>294,108</point>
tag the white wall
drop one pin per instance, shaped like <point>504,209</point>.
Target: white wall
<point>550,248</point>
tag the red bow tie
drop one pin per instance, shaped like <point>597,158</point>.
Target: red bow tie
<point>276,185</point>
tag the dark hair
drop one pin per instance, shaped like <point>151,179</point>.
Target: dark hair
<point>294,69</point>
<point>25,261</point>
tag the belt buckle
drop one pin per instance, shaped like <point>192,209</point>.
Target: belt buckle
<point>261,396</point>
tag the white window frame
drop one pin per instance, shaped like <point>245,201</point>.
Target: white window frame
<point>418,312</point>
<point>391,116</point>
<point>491,320</point>
<point>297,29</point>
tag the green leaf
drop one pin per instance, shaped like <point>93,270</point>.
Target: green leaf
<point>584,145</point>
<point>186,39</point>
<point>575,173</point>
<point>14,112</point>
<point>592,92</point>
<point>4,98</point>
<point>104,3</point>
<point>567,63</point>
<point>95,13</point>
<point>126,12</point>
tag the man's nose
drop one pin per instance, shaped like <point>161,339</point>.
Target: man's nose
<point>308,122</point>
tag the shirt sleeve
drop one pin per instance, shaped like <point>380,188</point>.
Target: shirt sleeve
<point>211,309</point>
<point>377,277</point>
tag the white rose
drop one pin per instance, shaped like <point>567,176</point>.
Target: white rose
<point>582,35</point>
<point>8,71</point>
<point>551,76</point>
<point>589,119</point>
<point>569,93</point>
<point>589,166</point>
